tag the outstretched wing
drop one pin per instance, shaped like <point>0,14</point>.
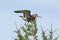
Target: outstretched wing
<point>26,13</point>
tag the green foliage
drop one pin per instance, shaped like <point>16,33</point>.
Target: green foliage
<point>50,37</point>
<point>43,34</point>
<point>30,29</point>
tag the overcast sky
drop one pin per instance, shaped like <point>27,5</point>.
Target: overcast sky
<point>49,10</point>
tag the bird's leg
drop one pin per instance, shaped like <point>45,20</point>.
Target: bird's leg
<point>23,18</point>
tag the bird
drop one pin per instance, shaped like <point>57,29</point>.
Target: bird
<point>27,16</point>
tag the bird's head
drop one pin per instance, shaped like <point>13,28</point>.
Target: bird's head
<point>36,15</point>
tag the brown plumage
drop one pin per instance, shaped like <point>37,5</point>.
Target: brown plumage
<point>26,15</point>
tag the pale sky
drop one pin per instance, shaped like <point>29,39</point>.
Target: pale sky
<point>48,9</point>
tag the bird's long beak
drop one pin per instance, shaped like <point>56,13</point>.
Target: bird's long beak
<point>39,16</point>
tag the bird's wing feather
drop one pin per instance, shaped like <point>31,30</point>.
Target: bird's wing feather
<point>26,13</point>
<point>18,11</point>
